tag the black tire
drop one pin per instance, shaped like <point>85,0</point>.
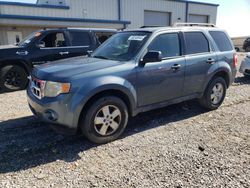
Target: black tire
<point>206,101</point>
<point>247,49</point>
<point>92,130</point>
<point>13,78</point>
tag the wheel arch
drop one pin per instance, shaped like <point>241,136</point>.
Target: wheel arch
<point>224,73</point>
<point>99,87</point>
<point>22,63</point>
<point>124,96</point>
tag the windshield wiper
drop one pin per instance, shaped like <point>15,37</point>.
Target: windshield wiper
<point>100,57</point>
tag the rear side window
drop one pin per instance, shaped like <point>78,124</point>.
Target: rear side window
<point>168,44</point>
<point>196,42</point>
<point>221,40</point>
<point>79,38</point>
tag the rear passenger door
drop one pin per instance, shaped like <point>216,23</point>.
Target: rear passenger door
<point>81,42</point>
<point>199,59</point>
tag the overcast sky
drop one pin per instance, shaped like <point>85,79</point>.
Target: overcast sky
<point>233,16</point>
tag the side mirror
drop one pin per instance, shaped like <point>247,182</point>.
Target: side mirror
<point>41,44</point>
<point>237,49</point>
<point>152,56</point>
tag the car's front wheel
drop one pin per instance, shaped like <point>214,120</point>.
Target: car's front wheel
<point>247,49</point>
<point>214,94</point>
<point>105,120</point>
<point>13,78</point>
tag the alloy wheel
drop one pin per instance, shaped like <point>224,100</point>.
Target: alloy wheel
<point>107,120</point>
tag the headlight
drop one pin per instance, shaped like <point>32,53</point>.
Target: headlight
<point>53,89</point>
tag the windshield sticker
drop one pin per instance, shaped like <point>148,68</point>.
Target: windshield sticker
<point>139,38</point>
<point>27,41</point>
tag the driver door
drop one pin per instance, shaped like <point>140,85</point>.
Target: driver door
<point>51,47</point>
<point>162,81</point>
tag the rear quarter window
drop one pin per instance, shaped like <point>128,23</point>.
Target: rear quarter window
<point>196,43</point>
<point>221,40</point>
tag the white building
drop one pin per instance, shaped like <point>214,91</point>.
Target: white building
<point>17,20</point>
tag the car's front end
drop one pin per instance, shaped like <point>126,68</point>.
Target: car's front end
<point>50,101</point>
<point>245,65</point>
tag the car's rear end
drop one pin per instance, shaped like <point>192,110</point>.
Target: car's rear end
<point>226,52</point>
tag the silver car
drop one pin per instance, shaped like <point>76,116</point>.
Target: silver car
<point>245,65</point>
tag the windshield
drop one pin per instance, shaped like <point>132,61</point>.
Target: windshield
<point>28,39</point>
<point>122,46</point>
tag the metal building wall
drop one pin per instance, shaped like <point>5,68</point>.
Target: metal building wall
<point>200,9</point>
<point>94,9</point>
<point>133,10</point>
<point>25,32</point>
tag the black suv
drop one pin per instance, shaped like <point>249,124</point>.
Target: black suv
<point>246,45</point>
<point>42,46</point>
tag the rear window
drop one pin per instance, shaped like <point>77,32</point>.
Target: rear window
<point>196,43</point>
<point>221,40</point>
<point>79,38</point>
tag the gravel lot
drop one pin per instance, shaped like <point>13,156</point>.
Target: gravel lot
<point>178,146</point>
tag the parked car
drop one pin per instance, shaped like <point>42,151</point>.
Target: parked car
<point>245,66</point>
<point>16,62</point>
<point>246,45</point>
<point>133,72</point>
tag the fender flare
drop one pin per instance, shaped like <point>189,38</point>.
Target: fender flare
<point>99,85</point>
<point>222,68</point>
<point>26,64</point>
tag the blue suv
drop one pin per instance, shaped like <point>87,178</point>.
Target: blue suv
<point>133,72</point>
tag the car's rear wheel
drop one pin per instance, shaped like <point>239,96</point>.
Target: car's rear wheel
<point>214,94</point>
<point>105,120</point>
<point>13,78</point>
<point>248,49</point>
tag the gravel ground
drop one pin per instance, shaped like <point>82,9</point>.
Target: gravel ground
<point>178,146</point>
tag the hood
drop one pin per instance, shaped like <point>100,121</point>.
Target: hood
<point>7,46</point>
<point>63,69</point>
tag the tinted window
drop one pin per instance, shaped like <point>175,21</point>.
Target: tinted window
<point>196,42</point>
<point>53,40</point>
<point>102,37</point>
<point>168,44</point>
<point>79,38</point>
<point>221,40</point>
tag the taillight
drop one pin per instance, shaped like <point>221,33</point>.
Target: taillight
<point>235,60</point>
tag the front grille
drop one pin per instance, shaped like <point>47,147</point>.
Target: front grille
<point>37,87</point>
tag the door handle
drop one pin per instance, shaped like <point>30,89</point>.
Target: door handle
<point>176,67</point>
<point>210,61</point>
<point>63,53</point>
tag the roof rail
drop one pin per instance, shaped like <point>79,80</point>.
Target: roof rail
<point>178,24</point>
<point>148,26</point>
<point>48,28</point>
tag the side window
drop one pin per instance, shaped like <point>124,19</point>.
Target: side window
<point>196,43</point>
<point>102,37</point>
<point>221,40</point>
<point>79,38</point>
<point>53,40</point>
<point>168,44</point>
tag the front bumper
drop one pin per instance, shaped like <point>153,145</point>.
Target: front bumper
<point>53,111</point>
<point>245,66</point>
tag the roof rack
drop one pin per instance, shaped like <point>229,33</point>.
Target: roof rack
<point>148,26</point>
<point>178,24</point>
